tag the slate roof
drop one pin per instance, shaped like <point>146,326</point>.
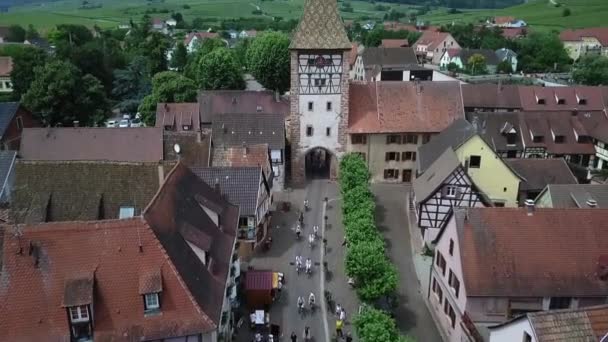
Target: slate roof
<point>537,173</point>
<point>195,147</point>
<point>576,195</point>
<point>7,163</point>
<point>491,96</point>
<point>489,55</point>
<point>393,57</point>
<point>234,130</point>
<point>320,27</point>
<point>495,126</point>
<point>179,220</point>
<point>7,113</point>
<point>213,102</point>
<point>450,138</point>
<point>6,66</point>
<point>426,184</point>
<point>240,185</point>
<point>174,116</point>
<point>385,107</point>
<point>600,33</point>
<point>507,252</point>
<point>50,191</point>
<point>113,144</point>
<point>505,54</point>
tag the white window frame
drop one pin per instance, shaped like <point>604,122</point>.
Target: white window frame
<point>82,314</point>
<point>152,301</point>
<point>451,191</point>
<point>123,214</point>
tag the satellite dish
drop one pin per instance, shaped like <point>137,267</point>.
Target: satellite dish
<point>177,148</point>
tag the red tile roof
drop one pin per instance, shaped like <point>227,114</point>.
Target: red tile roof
<point>491,96</point>
<point>111,144</point>
<point>6,66</point>
<point>200,36</point>
<point>553,252</point>
<point>382,107</point>
<point>178,115</point>
<point>503,20</point>
<point>530,95</point>
<point>600,33</point>
<point>394,43</point>
<point>214,102</point>
<point>513,32</point>
<point>431,39</point>
<point>252,155</point>
<point>31,297</point>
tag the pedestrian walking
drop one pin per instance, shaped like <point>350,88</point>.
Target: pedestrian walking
<point>294,337</point>
<point>342,315</point>
<point>338,309</point>
<point>339,326</point>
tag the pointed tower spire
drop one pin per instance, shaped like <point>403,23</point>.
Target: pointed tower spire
<point>320,27</point>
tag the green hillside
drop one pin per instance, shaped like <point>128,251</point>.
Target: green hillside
<point>114,12</point>
<point>539,14</point>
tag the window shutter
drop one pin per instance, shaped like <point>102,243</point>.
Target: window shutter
<point>414,138</point>
<point>387,156</point>
<point>403,154</point>
<point>397,170</point>
<point>397,156</point>
<point>458,192</point>
<point>388,139</point>
<point>444,191</point>
<point>414,156</point>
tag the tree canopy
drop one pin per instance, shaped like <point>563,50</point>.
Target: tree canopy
<point>220,70</point>
<point>16,33</point>
<point>61,94</point>
<point>375,325</point>
<point>476,64</point>
<point>25,61</point>
<point>591,70</point>
<point>180,57</point>
<point>542,52</point>
<point>132,84</point>
<point>268,61</point>
<point>167,86</point>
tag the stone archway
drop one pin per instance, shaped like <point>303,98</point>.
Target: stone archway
<point>320,163</point>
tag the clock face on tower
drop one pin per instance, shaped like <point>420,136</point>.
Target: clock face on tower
<point>320,73</point>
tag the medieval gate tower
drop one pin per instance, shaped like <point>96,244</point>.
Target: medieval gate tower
<point>319,91</point>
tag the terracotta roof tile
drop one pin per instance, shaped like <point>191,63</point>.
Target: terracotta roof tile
<point>583,324</point>
<point>234,130</point>
<point>240,102</point>
<point>431,39</point>
<point>383,107</point>
<point>513,32</point>
<point>174,116</point>
<point>113,144</point>
<point>6,66</point>
<point>600,33</point>
<point>320,27</point>
<point>505,252</point>
<point>151,281</point>
<point>394,43</point>
<point>354,51</point>
<point>503,20</point>
<point>570,97</point>
<point>111,251</point>
<point>78,291</point>
<point>491,96</point>
<point>252,155</point>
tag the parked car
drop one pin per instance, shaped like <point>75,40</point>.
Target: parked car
<point>137,123</point>
<point>124,123</point>
<point>126,116</point>
<point>111,123</point>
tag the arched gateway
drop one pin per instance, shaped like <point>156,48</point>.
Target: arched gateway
<point>319,91</point>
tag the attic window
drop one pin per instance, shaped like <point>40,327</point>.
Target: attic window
<point>559,139</point>
<point>560,100</point>
<point>126,212</point>
<point>540,100</point>
<point>582,101</point>
<point>186,127</point>
<point>151,302</point>
<point>258,109</point>
<point>79,314</point>
<point>150,285</point>
<point>538,138</point>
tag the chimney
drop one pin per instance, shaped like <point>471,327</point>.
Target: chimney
<point>217,186</point>
<point>76,123</point>
<point>591,203</point>
<point>530,207</point>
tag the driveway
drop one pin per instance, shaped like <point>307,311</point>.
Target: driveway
<point>412,316</point>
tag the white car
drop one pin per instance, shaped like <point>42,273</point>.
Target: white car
<point>137,123</point>
<point>124,123</point>
<point>111,123</point>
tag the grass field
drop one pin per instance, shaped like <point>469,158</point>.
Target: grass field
<point>114,12</point>
<point>539,14</point>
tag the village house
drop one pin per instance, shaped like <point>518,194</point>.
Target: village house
<point>580,42</point>
<point>573,196</point>
<point>508,22</point>
<point>509,56</point>
<point>512,33</point>
<point>246,187</point>
<point>536,174</point>
<point>6,67</point>
<point>461,58</point>
<point>4,32</point>
<point>490,97</point>
<point>388,121</point>
<point>14,118</point>
<point>486,170</point>
<point>494,264</point>
<point>432,45</point>
<point>584,324</point>
<point>167,273</point>
<point>387,64</point>
<point>194,39</point>
<point>178,117</point>
<point>213,102</point>
<point>246,156</point>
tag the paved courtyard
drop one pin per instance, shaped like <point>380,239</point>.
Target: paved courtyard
<point>412,315</point>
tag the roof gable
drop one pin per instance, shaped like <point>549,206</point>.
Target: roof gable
<point>452,137</point>
<point>426,184</point>
<point>537,173</point>
<point>389,56</point>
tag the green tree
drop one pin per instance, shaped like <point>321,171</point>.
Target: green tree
<point>180,57</point>
<point>132,84</point>
<point>375,325</point>
<point>60,94</point>
<point>476,64</point>
<point>31,32</point>
<point>542,52</point>
<point>220,70</point>
<point>66,36</point>
<point>155,48</point>
<point>268,61</point>
<point>99,57</point>
<point>198,23</point>
<point>16,33</point>
<point>374,275</point>
<point>504,67</point>
<point>25,61</point>
<point>240,50</point>
<point>167,86</point>
<point>591,70</point>
<point>353,172</point>
<point>202,49</point>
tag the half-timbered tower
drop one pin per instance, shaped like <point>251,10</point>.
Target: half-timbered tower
<point>319,91</point>
<point>444,186</point>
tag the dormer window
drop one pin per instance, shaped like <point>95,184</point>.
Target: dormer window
<point>560,101</point>
<point>581,100</point>
<point>168,127</point>
<point>79,314</point>
<point>540,101</point>
<point>186,127</point>
<point>150,287</point>
<point>78,300</point>
<point>151,302</point>
<point>126,212</point>
<point>258,109</point>
<point>559,139</point>
<point>537,138</point>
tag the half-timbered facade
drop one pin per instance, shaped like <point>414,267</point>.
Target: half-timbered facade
<point>443,187</point>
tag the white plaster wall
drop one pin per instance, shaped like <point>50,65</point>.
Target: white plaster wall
<point>453,262</point>
<point>513,331</point>
<point>319,118</point>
